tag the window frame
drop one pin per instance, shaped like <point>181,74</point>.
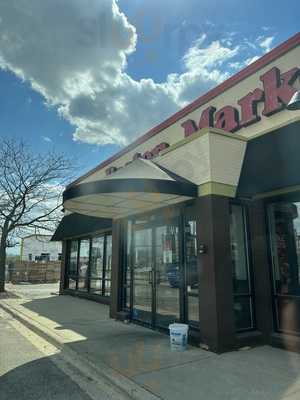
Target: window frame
<point>186,211</point>
<point>276,297</point>
<point>67,274</point>
<point>249,263</point>
<point>190,215</point>
<point>88,278</point>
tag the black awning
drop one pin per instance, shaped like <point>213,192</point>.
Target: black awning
<point>271,162</point>
<point>140,186</point>
<point>75,225</point>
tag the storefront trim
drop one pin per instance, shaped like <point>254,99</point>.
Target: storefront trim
<point>219,189</point>
<point>278,126</point>
<point>200,133</point>
<point>278,192</point>
<point>131,185</point>
<point>77,226</point>
<point>139,186</point>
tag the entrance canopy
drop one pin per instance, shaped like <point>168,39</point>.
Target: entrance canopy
<point>272,162</point>
<point>138,187</point>
<point>74,225</point>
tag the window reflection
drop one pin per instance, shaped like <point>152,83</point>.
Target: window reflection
<point>89,265</point>
<point>73,253</point>
<point>83,266</point>
<point>242,290</point>
<point>127,269</point>
<point>142,272</point>
<point>96,286</point>
<point>192,276</point>
<point>168,274</point>
<point>156,264</point>
<point>241,282</point>
<point>107,266</point>
<point>108,257</point>
<point>285,244</point>
<point>97,257</point>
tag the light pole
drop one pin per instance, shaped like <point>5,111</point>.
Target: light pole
<point>294,103</point>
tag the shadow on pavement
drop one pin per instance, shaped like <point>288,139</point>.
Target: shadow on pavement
<point>9,295</point>
<point>144,356</point>
<point>129,349</point>
<point>39,380</point>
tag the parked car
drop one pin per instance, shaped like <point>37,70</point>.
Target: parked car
<point>174,274</point>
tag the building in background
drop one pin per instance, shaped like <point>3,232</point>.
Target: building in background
<point>40,248</point>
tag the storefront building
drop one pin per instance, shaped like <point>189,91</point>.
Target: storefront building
<point>198,220</point>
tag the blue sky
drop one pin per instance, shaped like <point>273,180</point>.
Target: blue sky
<point>190,19</point>
<point>61,88</point>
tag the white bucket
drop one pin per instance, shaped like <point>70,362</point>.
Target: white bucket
<point>178,336</point>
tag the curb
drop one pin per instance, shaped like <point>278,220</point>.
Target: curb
<point>128,388</point>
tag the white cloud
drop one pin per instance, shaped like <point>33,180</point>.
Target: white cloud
<point>266,43</point>
<point>75,54</point>
<point>251,60</point>
<point>238,65</point>
<point>214,55</point>
<point>47,139</point>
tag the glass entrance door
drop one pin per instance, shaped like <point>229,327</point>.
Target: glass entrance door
<point>143,275</point>
<point>168,275</point>
<point>156,274</point>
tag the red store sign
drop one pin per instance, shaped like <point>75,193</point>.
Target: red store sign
<point>148,155</point>
<point>277,92</point>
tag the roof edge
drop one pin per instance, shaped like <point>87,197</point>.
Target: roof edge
<point>35,235</point>
<point>230,82</point>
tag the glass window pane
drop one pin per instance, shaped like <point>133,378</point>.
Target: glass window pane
<point>107,288</point>
<point>96,286</point>
<point>127,293</point>
<point>142,264</point>
<point>82,284</point>
<point>243,305</point>
<point>108,257</point>
<point>73,252</point>
<point>192,276</point>
<point>285,240</point>
<point>127,268</point>
<point>168,274</point>
<point>84,253</point>
<point>288,314</point>
<point>193,305</point>
<point>241,282</point>
<point>97,257</point>
<point>72,283</point>
<point>285,244</point>
<point>243,313</point>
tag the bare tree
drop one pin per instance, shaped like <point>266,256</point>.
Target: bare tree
<point>30,192</point>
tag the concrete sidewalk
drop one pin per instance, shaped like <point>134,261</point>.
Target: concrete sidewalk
<point>139,359</point>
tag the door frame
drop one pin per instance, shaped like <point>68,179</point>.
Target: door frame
<point>153,225</point>
<point>151,324</point>
<point>181,214</point>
